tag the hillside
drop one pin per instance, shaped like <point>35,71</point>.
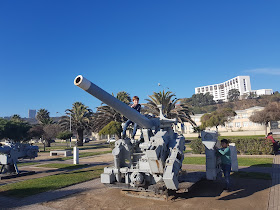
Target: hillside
<point>236,105</point>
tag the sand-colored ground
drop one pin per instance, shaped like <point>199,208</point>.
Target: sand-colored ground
<point>247,194</point>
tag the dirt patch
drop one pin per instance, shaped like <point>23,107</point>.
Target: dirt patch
<point>246,194</point>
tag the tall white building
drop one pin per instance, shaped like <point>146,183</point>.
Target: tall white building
<point>31,113</point>
<point>220,91</point>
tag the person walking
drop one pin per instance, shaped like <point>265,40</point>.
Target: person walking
<point>274,143</point>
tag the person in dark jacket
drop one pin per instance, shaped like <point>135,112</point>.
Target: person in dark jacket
<point>274,143</point>
<point>137,107</point>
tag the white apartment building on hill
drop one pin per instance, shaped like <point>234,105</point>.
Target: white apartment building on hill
<point>241,83</point>
<point>220,91</point>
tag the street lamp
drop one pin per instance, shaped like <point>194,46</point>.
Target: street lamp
<point>162,86</point>
<point>70,129</point>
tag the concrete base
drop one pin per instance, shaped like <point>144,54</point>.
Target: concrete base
<point>65,153</point>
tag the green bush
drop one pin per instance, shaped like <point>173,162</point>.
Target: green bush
<point>252,146</point>
<point>111,129</point>
<point>248,146</point>
<point>197,146</point>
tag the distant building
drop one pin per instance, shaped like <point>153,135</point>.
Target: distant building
<point>31,113</point>
<point>241,83</point>
<point>263,92</point>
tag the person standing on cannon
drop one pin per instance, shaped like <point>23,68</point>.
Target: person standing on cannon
<point>137,107</point>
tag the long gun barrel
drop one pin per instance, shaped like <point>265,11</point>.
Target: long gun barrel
<point>113,102</point>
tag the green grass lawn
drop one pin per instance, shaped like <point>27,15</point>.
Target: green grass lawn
<point>34,186</point>
<point>84,154</point>
<point>27,164</point>
<point>56,146</point>
<point>62,166</point>
<point>242,161</point>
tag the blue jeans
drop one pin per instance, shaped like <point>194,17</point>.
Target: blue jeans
<point>127,123</point>
<point>226,170</point>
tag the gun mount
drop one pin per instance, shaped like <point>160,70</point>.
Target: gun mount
<point>154,162</point>
<point>10,153</point>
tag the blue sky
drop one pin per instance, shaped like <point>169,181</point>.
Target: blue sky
<point>130,45</point>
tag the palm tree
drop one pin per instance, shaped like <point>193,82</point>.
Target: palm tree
<point>16,118</point>
<point>43,117</point>
<point>81,119</point>
<point>103,116</point>
<point>106,114</point>
<point>170,107</point>
<point>124,97</point>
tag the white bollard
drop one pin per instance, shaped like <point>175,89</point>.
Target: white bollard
<point>75,155</point>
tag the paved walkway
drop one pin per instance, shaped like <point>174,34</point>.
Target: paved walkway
<point>33,202</point>
<point>274,195</point>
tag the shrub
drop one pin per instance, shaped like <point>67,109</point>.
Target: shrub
<point>252,146</point>
<point>111,129</point>
<point>197,146</point>
<point>248,146</point>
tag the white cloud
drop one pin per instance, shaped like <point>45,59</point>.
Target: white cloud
<point>267,71</point>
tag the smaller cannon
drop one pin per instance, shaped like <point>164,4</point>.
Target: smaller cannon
<point>11,152</point>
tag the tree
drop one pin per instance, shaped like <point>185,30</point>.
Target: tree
<point>270,113</point>
<point>233,95</point>
<point>201,99</point>
<point>124,97</point>
<point>251,95</point>
<point>105,114</point>
<point>3,123</point>
<point>170,108</point>
<point>65,135</point>
<point>50,132</point>
<point>216,118</point>
<point>16,117</point>
<point>16,131</point>
<point>113,128</point>
<point>36,131</point>
<point>81,119</point>
<point>43,117</point>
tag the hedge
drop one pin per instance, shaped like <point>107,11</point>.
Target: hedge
<point>248,146</point>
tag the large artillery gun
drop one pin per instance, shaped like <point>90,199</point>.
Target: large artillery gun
<point>154,162</point>
<point>11,152</point>
<point>150,164</point>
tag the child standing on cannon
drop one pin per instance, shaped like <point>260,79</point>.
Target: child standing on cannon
<point>137,107</point>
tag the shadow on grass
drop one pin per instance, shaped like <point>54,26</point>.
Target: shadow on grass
<point>262,165</point>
